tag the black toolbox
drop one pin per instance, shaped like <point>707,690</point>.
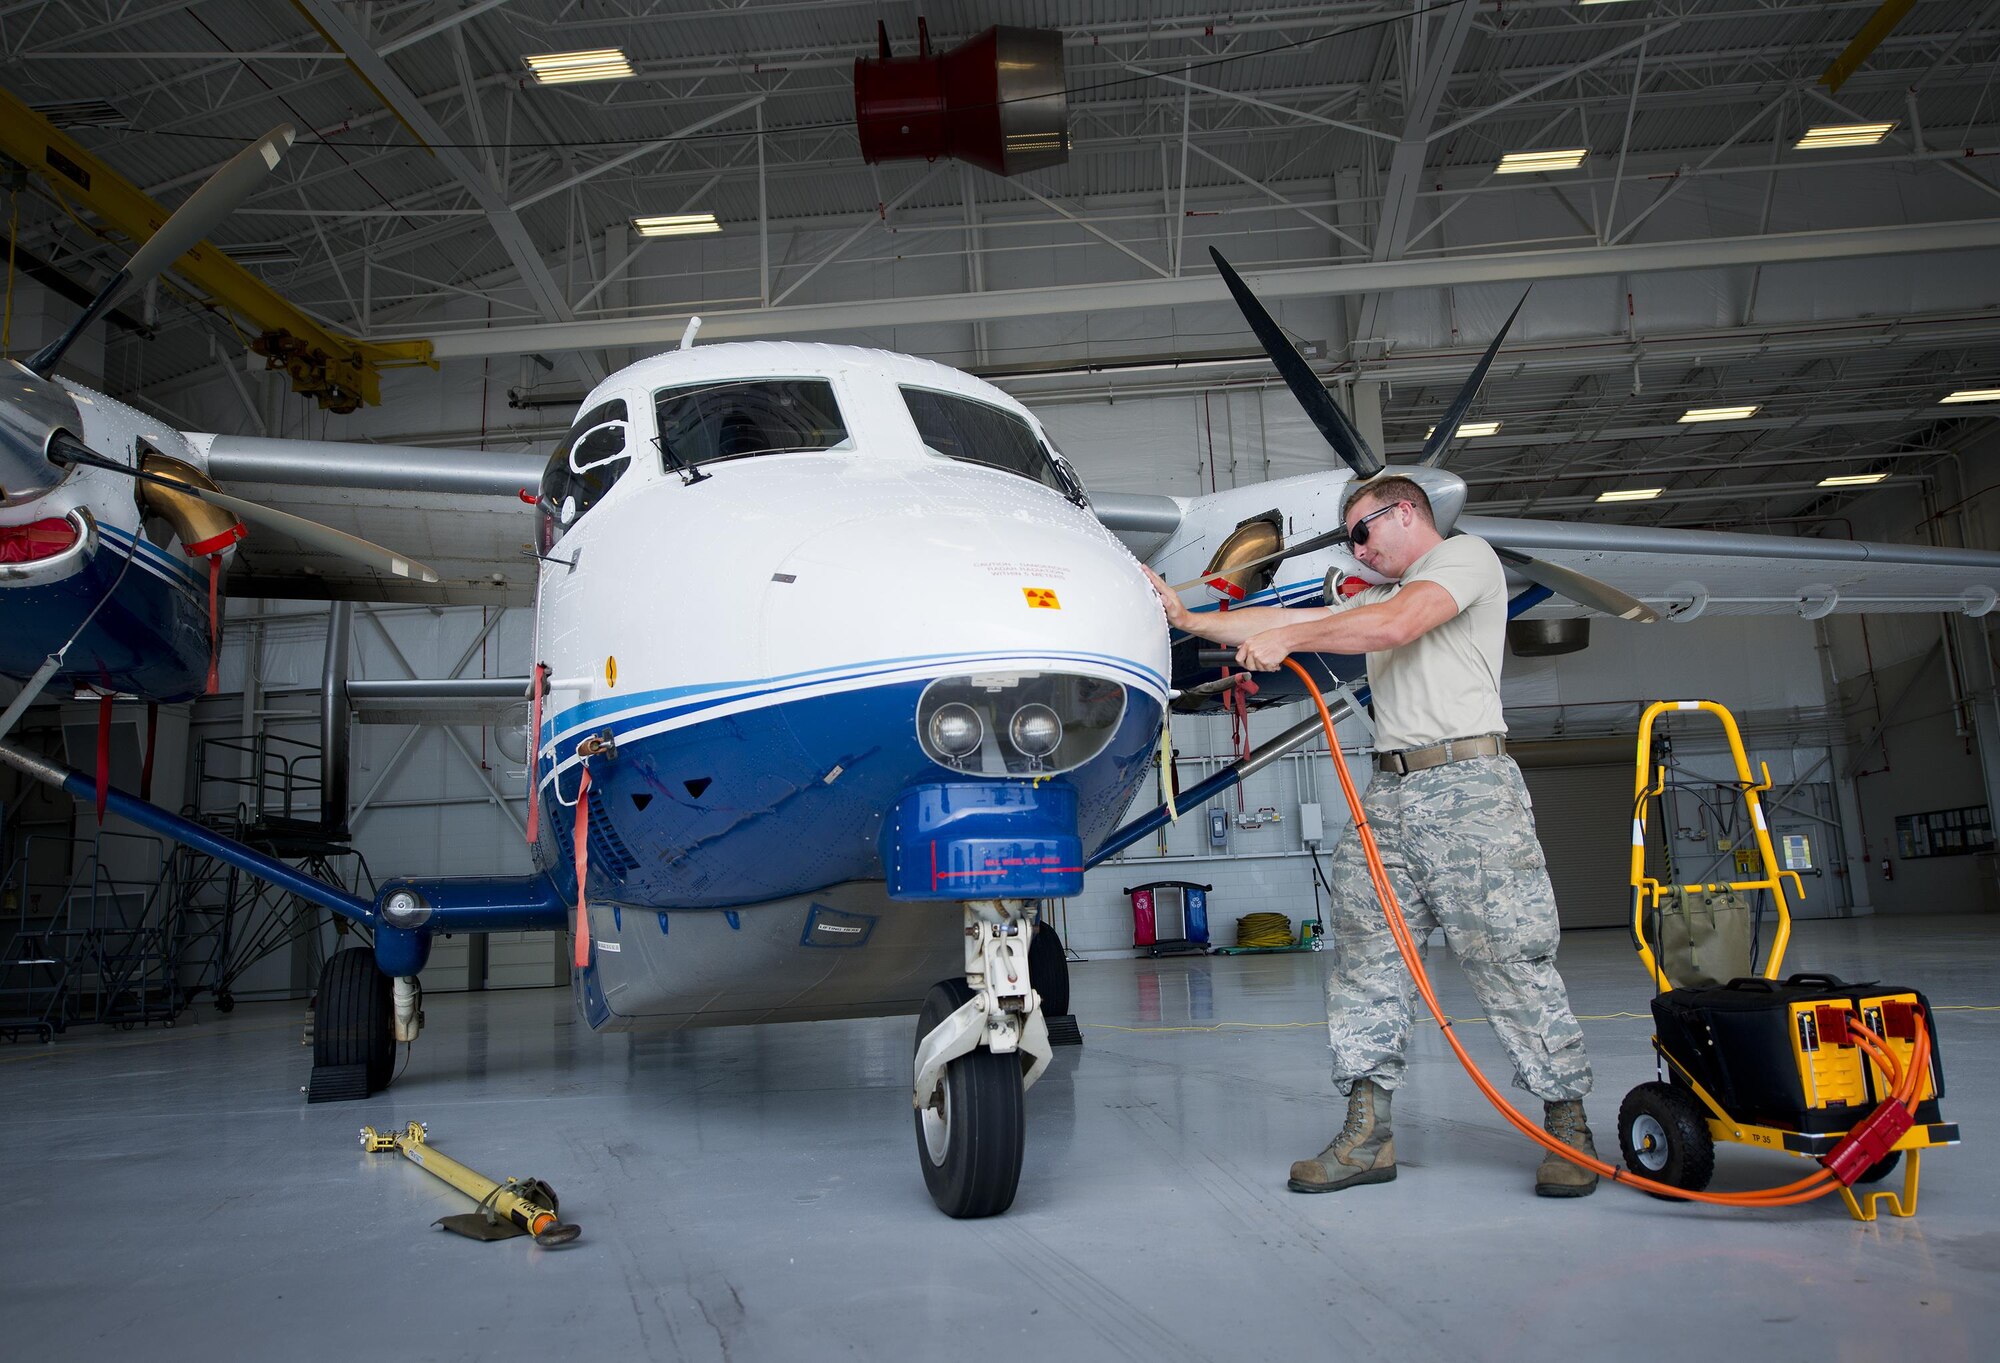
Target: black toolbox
<point>1775,1053</point>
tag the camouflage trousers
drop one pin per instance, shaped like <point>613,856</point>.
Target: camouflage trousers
<point>1459,845</point>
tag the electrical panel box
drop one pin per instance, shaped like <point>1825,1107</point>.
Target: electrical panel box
<point>1218,828</point>
<point>1312,828</point>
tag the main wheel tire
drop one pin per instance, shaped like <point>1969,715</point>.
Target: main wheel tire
<point>1048,971</point>
<point>1664,1137</point>
<point>355,1021</point>
<point>971,1138</point>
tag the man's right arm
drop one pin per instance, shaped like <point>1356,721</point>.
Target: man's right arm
<point>1228,627</point>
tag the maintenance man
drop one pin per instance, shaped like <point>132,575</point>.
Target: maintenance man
<point>1451,815</point>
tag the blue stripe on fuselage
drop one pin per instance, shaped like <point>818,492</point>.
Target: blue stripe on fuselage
<point>791,798</point>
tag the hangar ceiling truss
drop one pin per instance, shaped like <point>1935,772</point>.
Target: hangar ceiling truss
<point>437,192</point>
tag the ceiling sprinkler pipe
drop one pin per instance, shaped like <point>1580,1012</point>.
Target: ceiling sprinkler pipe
<point>996,101</point>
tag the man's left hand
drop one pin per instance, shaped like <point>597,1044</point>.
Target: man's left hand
<point>1264,652</point>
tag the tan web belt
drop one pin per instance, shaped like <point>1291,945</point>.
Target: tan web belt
<point>1407,760</point>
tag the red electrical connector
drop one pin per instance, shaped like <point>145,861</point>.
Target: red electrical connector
<point>1868,1143</point>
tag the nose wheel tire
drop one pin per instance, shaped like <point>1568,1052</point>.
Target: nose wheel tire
<point>971,1135</point>
<point>1664,1137</point>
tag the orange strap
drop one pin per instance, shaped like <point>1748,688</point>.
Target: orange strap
<point>152,735</point>
<point>103,752</point>
<point>535,755</point>
<point>582,870</point>
<point>214,619</point>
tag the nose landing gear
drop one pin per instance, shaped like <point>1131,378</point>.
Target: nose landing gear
<point>981,1042</point>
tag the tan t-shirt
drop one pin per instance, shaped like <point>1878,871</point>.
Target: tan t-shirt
<point>1445,683</point>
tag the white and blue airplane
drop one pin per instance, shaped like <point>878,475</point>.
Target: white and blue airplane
<point>838,671</point>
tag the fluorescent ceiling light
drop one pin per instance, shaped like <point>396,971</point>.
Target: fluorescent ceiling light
<point>677,225</point>
<point>1525,162</point>
<point>270,253</point>
<point>1852,480</point>
<point>1630,494</point>
<point>567,68</point>
<point>1470,428</point>
<point>1972,395</point>
<point>1843,135</point>
<point>1694,414</point>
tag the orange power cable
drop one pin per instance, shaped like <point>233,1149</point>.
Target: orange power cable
<point>1903,1082</point>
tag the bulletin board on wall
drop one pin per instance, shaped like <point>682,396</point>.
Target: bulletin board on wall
<point>1944,833</point>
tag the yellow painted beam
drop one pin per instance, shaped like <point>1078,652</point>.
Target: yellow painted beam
<point>339,372</point>
<point>1878,27</point>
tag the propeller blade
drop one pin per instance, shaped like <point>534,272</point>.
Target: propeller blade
<point>207,207</point>
<point>1585,591</point>
<point>191,222</point>
<point>1447,426</point>
<point>317,536</point>
<point>1298,376</point>
<point>311,533</point>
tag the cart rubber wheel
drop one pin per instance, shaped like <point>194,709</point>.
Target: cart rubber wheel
<point>1664,1137</point>
<point>1881,1168</point>
<point>355,1022</point>
<point>1048,970</point>
<point>971,1137</point>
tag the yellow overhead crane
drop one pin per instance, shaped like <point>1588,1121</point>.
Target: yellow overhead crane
<point>339,372</point>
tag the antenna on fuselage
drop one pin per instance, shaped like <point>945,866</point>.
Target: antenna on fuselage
<point>693,329</point>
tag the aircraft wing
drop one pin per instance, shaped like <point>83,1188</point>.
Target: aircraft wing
<point>1690,572</point>
<point>457,510</point>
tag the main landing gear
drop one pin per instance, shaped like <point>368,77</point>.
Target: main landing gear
<point>981,1042</point>
<point>360,1016</point>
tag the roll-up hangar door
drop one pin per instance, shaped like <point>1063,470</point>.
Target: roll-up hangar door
<point>1583,816</point>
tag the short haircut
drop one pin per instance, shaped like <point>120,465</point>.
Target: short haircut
<point>1388,490</point>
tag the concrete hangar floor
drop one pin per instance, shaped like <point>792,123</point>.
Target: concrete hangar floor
<point>750,1193</point>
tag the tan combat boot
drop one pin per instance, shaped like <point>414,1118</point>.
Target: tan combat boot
<point>1363,1152</point>
<point>1556,1176</point>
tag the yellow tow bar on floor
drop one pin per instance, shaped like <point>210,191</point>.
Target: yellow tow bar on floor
<point>506,1210</point>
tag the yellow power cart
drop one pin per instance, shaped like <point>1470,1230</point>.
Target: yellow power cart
<point>1848,1074</point>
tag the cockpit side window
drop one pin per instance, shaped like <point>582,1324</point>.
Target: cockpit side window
<point>980,433</point>
<point>590,459</point>
<point>710,422</point>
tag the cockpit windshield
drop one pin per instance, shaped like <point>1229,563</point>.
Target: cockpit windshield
<point>590,459</point>
<point>980,433</point>
<point>709,422</point>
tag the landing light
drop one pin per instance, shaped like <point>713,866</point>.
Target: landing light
<point>956,729</point>
<point>1035,731</point>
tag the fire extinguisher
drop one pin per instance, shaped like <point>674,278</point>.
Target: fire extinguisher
<point>1888,869</point>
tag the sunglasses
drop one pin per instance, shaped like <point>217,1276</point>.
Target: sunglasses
<point>1359,534</point>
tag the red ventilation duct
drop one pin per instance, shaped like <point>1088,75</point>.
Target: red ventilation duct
<point>996,100</point>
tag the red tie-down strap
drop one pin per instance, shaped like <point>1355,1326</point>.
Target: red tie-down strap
<point>582,870</point>
<point>152,734</point>
<point>103,752</point>
<point>212,549</point>
<point>535,752</point>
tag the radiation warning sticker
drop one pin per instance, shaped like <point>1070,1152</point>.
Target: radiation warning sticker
<point>1041,598</point>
